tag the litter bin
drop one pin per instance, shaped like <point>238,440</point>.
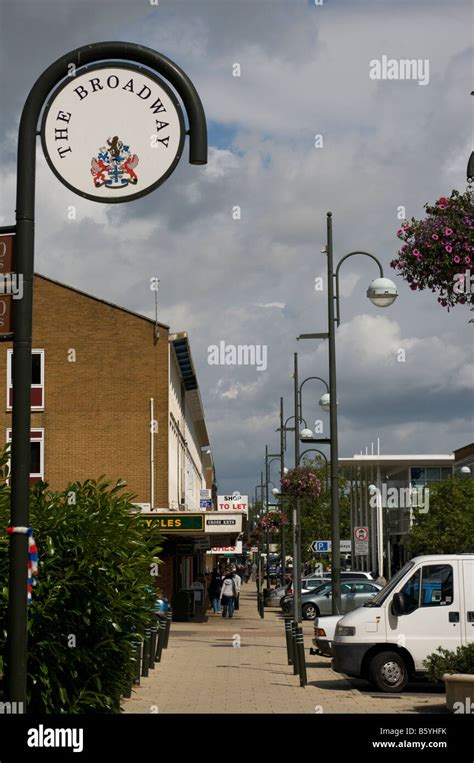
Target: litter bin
<point>183,602</point>
<point>192,601</point>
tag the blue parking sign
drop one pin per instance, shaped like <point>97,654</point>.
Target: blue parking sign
<point>320,546</point>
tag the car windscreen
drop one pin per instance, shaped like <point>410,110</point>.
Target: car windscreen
<point>387,590</point>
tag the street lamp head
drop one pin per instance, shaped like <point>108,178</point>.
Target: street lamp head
<point>325,401</point>
<point>465,470</point>
<point>275,491</point>
<point>306,434</point>
<point>382,292</point>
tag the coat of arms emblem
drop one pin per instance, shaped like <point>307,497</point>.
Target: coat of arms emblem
<point>114,165</point>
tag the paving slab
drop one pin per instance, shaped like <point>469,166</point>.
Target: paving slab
<point>239,665</point>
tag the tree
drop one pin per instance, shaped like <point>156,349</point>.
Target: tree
<point>448,526</point>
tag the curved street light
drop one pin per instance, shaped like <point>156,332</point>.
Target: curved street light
<point>382,292</point>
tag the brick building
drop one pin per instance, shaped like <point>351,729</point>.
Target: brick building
<point>115,394</point>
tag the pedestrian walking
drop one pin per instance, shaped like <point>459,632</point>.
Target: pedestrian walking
<point>238,586</point>
<point>214,591</point>
<point>228,595</point>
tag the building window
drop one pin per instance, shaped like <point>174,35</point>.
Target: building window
<point>37,380</point>
<point>36,453</point>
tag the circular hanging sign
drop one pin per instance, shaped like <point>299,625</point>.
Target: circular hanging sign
<point>113,132</point>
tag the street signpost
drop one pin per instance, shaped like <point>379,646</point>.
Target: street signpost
<point>113,133</point>
<point>94,132</point>
<point>361,541</point>
<point>324,546</point>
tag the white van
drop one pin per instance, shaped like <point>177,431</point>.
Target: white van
<point>428,604</point>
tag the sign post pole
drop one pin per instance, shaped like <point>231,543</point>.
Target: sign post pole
<point>16,651</point>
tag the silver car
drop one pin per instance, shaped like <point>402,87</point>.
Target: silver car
<point>353,594</point>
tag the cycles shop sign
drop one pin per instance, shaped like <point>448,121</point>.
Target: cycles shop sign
<point>112,133</point>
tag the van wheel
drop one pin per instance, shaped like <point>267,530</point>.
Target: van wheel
<point>388,672</point>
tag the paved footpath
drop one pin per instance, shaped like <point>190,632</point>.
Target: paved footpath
<point>204,671</point>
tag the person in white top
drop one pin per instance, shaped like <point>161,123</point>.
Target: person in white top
<point>228,595</point>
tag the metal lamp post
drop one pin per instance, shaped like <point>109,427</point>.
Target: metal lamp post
<point>269,457</point>
<point>260,607</point>
<point>282,472</point>
<point>323,402</point>
<point>382,292</point>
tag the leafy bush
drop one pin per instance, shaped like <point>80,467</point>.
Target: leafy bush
<point>443,661</point>
<point>92,598</point>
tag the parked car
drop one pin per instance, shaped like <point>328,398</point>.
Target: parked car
<point>346,575</point>
<point>309,584</point>
<point>427,604</point>
<point>324,630</point>
<point>319,602</point>
<point>276,595</point>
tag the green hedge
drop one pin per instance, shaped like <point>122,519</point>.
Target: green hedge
<point>92,597</point>
<point>443,661</point>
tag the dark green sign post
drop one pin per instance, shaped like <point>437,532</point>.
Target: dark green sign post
<point>141,60</point>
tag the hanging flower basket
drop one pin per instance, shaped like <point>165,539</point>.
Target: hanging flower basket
<point>272,520</point>
<point>301,482</point>
<point>439,250</point>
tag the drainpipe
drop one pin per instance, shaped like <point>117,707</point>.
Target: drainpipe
<point>152,453</point>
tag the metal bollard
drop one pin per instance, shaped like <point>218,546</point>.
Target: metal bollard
<point>169,617</point>
<point>146,653</point>
<point>262,606</point>
<point>301,657</point>
<point>296,662</point>
<point>154,631</point>
<point>161,637</point>
<point>128,691</point>
<point>138,651</point>
<point>289,640</point>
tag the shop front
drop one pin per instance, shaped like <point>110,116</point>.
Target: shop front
<point>187,538</point>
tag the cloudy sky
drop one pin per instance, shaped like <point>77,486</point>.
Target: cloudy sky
<point>304,71</point>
